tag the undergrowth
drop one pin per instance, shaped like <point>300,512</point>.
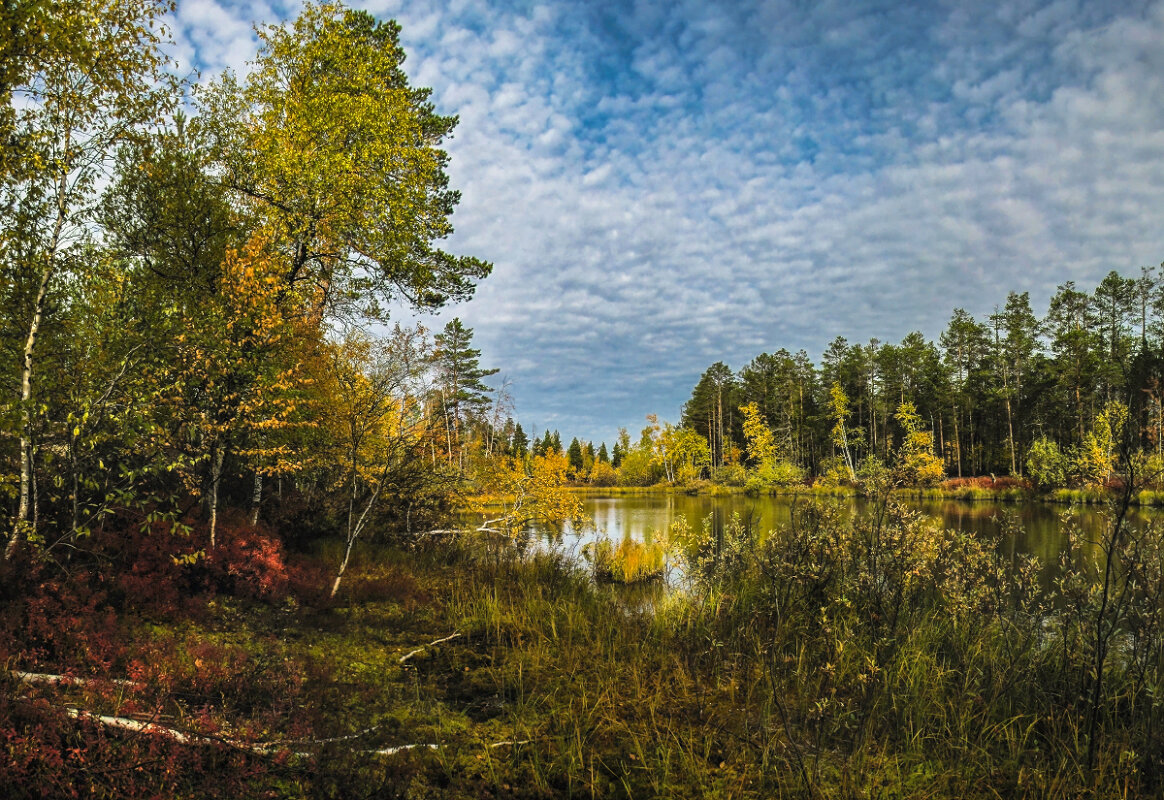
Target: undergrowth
<point>876,657</point>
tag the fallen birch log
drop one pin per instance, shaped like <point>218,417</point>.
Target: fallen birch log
<point>258,748</point>
<point>69,680</point>
<point>136,726</point>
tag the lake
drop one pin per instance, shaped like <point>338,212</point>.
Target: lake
<point>1037,528</point>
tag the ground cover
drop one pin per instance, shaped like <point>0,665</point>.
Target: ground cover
<point>885,658</point>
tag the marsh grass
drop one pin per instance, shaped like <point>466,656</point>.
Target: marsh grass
<point>870,657</point>
<point>882,657</point>
<point>629,561</point>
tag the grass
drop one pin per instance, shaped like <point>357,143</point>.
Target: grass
<point>629,561</point>
<point>828,659</point>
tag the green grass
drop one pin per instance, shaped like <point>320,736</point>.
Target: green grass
<point>825,660</point>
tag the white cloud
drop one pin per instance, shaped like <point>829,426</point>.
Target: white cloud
<point>676,183</point>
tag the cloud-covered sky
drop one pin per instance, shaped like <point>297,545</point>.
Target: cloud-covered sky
<point>662,184</point>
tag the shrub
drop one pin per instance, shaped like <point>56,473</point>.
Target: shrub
<point>248,562</point>
<point>1047,464</point>
<point>603,474</point>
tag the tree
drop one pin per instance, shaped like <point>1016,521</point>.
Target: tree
<point>681,453</point>
<point>710,410</point>
<point>375,415</point>
<point>1016,333</point>
<point>525,494</point>
<point>574,457</point>
<point>519,444</point>
<point>1070,325</point>
<point>92,75</point>
<point>1114,304</point>
<point>234,377</point>
<point>327,143</point>
<point>462,396</point>
<point>761,445</point>
<point>965,345</point>
<point>1096,460</point>
<point>916,455</point>
<point>839,412</point>
<point>1047,466</point>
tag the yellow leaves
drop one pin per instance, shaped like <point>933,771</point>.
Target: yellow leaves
<point>1096,458</point>
<point>917,449</point>
<point>761,443</point>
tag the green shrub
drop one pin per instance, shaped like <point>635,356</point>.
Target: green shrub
<point>1047,465</point>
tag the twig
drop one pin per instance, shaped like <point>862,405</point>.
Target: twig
<point>420,650</point>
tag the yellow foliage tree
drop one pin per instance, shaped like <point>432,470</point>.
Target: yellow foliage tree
<point>237,376</point>
<point>916,457</point>
<point>524,494</point>
<point>761,442</point>
<point>1096,458</point>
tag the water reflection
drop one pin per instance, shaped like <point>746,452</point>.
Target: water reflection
<point>1018,529</point>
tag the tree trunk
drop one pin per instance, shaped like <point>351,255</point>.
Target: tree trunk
<point>24,508</point>
<point>957,441</point>
<point>1010,437</point>
<point>353,534</point>
<point>216,455</point>
<point>257,498</point>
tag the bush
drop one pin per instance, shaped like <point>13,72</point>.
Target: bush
<point>1047,465</point>
<point>248,562</point>
<point>731,475</point>
<point>603,474</point>
<point>628,561</point>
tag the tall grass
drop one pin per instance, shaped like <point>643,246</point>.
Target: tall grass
<point>833,658</point>
<point>629,561</point>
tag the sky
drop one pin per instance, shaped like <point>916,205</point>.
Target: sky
<point>663,184</point>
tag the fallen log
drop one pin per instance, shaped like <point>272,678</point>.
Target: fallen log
<point>69,680</point>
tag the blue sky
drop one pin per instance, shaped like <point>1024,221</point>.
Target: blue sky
<point>663,184</point>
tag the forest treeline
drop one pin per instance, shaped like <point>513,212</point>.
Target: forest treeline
<point>1015,394</point>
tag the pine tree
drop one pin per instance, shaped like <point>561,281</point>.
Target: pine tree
<point>462,395</point>
<point>519,444</point>
<point>574,455</point>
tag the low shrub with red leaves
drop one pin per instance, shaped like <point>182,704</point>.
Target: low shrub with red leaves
<point>248,561</point>
<point>47,617</point>
<point>152,567</point>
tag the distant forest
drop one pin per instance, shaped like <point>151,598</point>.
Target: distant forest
<point>1004,395</point>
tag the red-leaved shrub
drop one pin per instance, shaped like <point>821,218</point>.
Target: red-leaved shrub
<point>988,482</point>
<point>247,561</point>
<point>49,617</point>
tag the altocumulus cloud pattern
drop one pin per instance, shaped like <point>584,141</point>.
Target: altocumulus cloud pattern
<point>664,184</point>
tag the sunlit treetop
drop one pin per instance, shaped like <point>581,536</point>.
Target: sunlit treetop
<point>328,143</point>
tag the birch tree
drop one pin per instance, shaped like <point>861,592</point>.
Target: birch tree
<point>92,77</point>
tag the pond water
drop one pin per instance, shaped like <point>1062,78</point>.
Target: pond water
<point>1018,528</point>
